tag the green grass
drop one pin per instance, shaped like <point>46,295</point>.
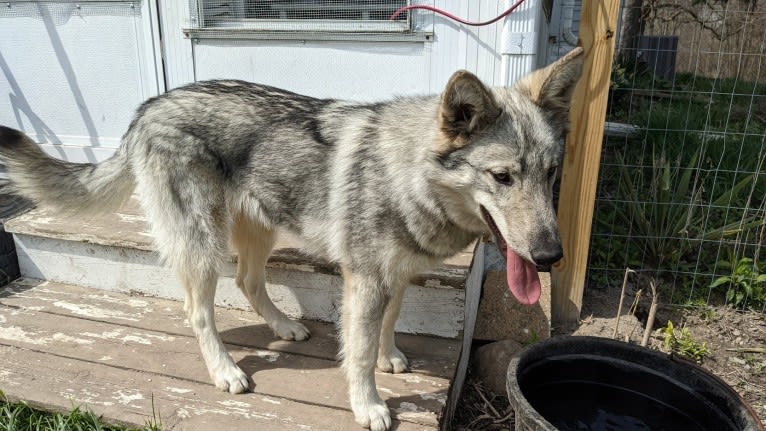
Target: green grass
<point>19,416</point>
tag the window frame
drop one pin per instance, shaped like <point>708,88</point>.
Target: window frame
<point>301,29</point>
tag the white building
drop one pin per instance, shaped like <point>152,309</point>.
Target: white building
<point>73,72</point>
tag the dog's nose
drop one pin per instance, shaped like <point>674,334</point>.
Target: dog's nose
<point>547,255</point>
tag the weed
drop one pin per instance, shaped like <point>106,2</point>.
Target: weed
<point>746,286</point>
<point>681,342</point>
<point>532,339</point>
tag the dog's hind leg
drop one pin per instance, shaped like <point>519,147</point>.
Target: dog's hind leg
<point>390,358</point>
<point>190,224</point>
<point>199,305</point>
<point>364,300</point>
<point>254,242</point>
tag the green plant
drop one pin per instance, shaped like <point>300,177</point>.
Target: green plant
<point>533,338</point>
<point>685,186</point>
<point>666,212</point>
<point>745,286</point>
<point>681,342</point>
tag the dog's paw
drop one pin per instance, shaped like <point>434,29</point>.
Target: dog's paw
<point>393,362</point>
<point>232,380</point>
<point>374,416</point>
<point>287,329</point>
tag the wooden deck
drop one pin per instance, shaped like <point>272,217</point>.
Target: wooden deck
<point>134,360</point>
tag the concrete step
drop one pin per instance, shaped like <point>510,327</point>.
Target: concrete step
<point>114,252</point>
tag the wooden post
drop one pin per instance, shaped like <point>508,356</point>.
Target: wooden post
<point>598,29</point>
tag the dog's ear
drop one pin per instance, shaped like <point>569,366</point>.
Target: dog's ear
<point>551,87</point>
<point>466,107</point>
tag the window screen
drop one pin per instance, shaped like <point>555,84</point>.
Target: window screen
<point>300,15</point>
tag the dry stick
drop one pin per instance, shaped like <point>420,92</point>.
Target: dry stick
<point>746,349</point>
<point>622,298</point>
<point>652,312</point>
<point>633,307</point>
<point>486,401</point>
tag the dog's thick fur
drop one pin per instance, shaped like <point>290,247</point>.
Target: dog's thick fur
<point>385,190</point>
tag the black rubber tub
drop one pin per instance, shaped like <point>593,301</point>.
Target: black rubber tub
<point>597,384</point>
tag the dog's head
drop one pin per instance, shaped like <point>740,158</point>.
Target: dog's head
<point>499,153</point>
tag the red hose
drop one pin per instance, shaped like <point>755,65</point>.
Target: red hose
<point>455,18</point>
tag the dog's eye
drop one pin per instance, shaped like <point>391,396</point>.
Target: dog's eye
<point>503,178</point>
<point>552,172</point>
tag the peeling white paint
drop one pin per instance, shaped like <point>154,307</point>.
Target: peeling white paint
<point>2,319</point>
<point>183,413</point>
<point>270,400</point>
<point>413,378</point>
<point>411,412</point>
<point>388,391</point>
<point>132,217</point>
<point>15,333</point>
<point>85,397</point>
<point>127,397</point>
<point>233,403</point>
<point>417,417</point>
<point>267,355</point>
<point>177,390</point>
<point>105,358</point>
<point>69,339</point>
<point>137,337</point>
<point>439,397</point>
<point>407,407</point>
<point>227,411</point>
<point>131,302</point>
<point>160,337</point>
<point>96,312</point>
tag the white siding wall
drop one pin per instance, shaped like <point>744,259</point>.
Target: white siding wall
<point>74,75</point>
<point>365,70</point>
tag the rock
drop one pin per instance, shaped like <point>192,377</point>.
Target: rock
<point>737,360</point>
<point>491,364</point>
<point>501,317</point>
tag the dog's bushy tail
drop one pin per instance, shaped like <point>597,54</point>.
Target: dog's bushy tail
<point>64,186</point>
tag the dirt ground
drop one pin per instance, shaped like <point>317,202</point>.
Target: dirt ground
<point>735,341</point>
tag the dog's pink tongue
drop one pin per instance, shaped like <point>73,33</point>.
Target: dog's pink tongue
<point>523,279</point>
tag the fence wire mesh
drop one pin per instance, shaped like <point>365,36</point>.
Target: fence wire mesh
<point>682,187</point>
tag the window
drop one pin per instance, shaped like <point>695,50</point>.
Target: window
<point>297,18</point>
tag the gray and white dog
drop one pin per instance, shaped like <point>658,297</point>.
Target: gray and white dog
<point>385,190</point>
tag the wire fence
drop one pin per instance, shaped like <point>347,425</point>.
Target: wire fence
<point>682,188</point>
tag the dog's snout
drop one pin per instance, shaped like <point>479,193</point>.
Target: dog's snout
<point>547,255</point>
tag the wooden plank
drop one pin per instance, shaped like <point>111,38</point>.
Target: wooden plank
<point>129,228</point>
<point>430,356</point>
<point>299,293</point>
<point>159,354</point>
<point>598,26</point>
<point>132,346</point>
<point>473,297</point>
<point>134,398</point>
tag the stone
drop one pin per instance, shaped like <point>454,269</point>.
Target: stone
<point>491,364</point>
<point>501,317</point>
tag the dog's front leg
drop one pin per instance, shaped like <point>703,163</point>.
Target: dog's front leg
<point>364,299</point>
<point>390,358</point>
